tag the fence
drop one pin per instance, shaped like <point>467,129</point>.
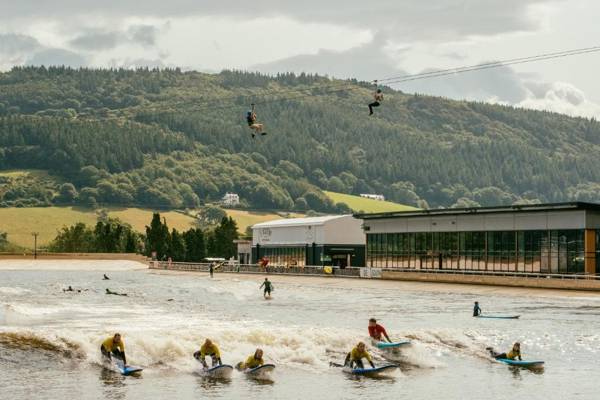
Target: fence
<point>525,275</point>
<point>255,269</point>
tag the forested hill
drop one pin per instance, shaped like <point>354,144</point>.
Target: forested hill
<point>167,138</point>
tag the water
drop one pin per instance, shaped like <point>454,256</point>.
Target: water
<point>49,340</point>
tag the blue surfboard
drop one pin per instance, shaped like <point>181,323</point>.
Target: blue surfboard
<point>261,369</point>
<point>371,371</point>
<point>394,345</point>
<point>521,363</point>
<point>126,369</point>
<point>499,316</point>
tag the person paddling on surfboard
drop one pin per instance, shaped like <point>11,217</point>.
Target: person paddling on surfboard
<point>354,358</point>
<point>476,309</point>
<point>208,349</point>
<point>377,331</point>
<point>268,287</point>
<point>253,361</point>
<point>511,355</point>
<point>114,346</point>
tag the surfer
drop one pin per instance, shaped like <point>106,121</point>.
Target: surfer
<point>108,291</point>
<point>208,349</point>
<point>354,358</point>
<point>114,346</point>
<point>253,361</point>
<point>268,287</point>
<point>376,331</point>
<point>70,289</point>
<point>511,355</point>
<point>476,309</point>
<point>106,278</point>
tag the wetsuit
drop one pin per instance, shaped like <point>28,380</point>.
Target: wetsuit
<point>209,350</point>
<point>377,332</point>
<point>252,362</point>
<point>354,358</point>
<point>268,287</point>
<point>476,311</point>
<point>111,348</point>
<point>512,355</point>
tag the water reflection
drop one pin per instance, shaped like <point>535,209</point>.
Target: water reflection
<point>113,384</point>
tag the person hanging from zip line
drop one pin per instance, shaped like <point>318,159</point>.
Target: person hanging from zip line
<point>254,124</point>
<point>378,96</point>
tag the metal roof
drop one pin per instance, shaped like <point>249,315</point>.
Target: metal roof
<point>484,210</point>
<point>278,223</point>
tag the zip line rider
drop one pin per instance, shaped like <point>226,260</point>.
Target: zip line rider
<point>378,96</point>
<point>253,124</point>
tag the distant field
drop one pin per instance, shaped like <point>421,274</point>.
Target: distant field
<point>19,223</point>
<point>357,203</point>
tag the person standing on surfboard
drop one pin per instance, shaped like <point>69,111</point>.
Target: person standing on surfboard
<point>114,346</point>
<point>376,331</point>
<point>354,358</point>
<point>476,309</point>
<point>268,287</point>
<point>253,361</point>
<point>511,355</point>
<point>208,349</point>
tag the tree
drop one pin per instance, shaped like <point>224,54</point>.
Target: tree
<point>195,247</point>
<point>78,238</point>
<point>67,193</point>
<point>157,237</point>
<point>224,234</point>
<point>177,248</point>
<point>210,215</point>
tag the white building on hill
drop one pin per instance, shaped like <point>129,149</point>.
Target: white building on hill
<point>378,197</point>
<point>231,199</point>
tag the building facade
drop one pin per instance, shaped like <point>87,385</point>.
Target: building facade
<point>231,199</point>
<point>552,239</point>
<point>336,240</point>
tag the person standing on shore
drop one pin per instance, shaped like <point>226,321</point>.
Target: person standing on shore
<point>211,268</point>
<point>268,287</point>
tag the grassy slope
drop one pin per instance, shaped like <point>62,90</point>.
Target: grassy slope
<point>19,223</point>
<point>357,203</point>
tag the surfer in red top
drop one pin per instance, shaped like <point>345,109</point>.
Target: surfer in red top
<point>376,331</point>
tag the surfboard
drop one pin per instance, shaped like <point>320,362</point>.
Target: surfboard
<point>219,372</point>
<point>521,363</point>
<point>126,369</point>
<point>260,372</point>
<point>499,316</point>
<point>394,345</point>
<point>371,371</point>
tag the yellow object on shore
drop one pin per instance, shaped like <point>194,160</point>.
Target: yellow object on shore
<point>327,270</point>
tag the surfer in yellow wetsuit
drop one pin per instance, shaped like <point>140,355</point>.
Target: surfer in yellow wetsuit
<point>114,346</point>
<point>211,350</point>
<point>354,358</point>
<point>253,361</point>
<point>511,355</point>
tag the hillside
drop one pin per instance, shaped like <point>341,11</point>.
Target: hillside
<point>357,203</point>
<point>170,139</point>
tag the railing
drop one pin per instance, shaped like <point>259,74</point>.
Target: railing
<point>535,275</point>
<point>255,269</point>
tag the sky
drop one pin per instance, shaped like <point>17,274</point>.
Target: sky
<point>366,40</point>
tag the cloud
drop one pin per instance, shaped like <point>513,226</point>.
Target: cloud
<point>59,57</point>
<point>143,34</point>
<point>94,40</point>
<point>409,19</point>
<point>561,97</point>
<point>14,44</point>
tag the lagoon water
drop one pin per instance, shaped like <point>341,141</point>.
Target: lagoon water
<point>49,340</point>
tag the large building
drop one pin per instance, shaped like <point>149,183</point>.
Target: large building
<point>336,240</point>
<point>548,239</point>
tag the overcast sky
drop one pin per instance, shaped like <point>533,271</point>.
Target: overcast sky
<point>342,38</point>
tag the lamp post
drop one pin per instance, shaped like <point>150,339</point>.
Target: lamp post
<point>35,235</point>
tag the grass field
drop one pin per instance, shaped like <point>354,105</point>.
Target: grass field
<point>19,223</point>
<point>357,203</point>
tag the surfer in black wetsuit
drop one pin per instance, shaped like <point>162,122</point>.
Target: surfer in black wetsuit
<point>476,309</point>
<point>105,278</point>
<point>268,287</point>
<point>108,291</point>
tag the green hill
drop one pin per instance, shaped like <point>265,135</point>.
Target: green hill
<point>357,203</point>
<point>171,139</point>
